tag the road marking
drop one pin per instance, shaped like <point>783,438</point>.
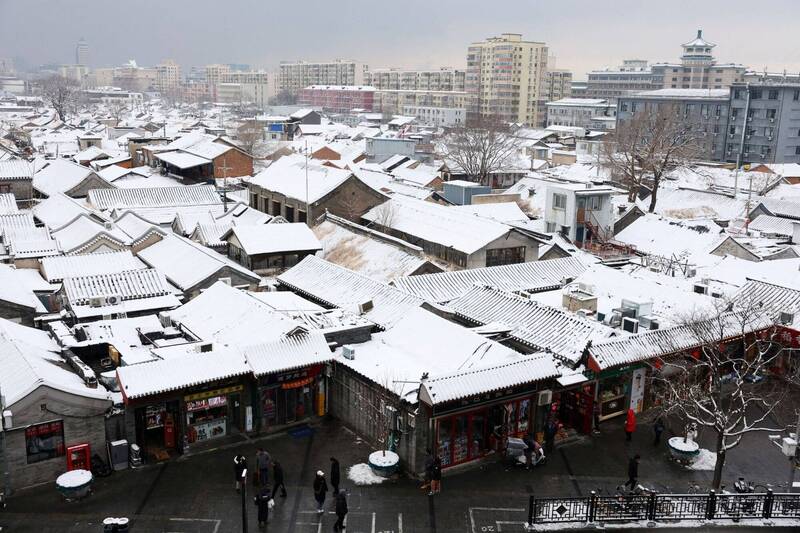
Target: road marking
<point>507,522</point>
<point>318,524</point>
<point>373,522</point>
<point>216,523</point>
<point>503,509</point>
<point>399,522</point>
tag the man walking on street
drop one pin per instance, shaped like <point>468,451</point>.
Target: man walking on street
<point>341,510</point>
<point>277,477</point>
<point>550,430</point>
<point>320,489</point>
<point>658,429</point>
<point>263,501</point>
<point>239,465</point>
<point>633,471</point>
<point>262,464</point>
<point>335,475</point>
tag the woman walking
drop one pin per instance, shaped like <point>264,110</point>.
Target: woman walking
<point>320,489</point>
<point>436,476</point>
<point>630,425</point>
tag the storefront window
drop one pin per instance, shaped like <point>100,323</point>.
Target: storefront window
<point>207,418</point>
<point>461,440</point>
<point>478,435</point>
<point>44,441</point>
<point>614,396</point>
<point>511,417</point>
<point>444,441</point>
<point>524,415</point>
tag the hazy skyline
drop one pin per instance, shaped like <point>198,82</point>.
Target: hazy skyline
<point>581,34</point>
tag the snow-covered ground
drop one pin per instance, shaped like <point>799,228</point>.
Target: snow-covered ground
<point>362,474</point>
<point>705,461</point>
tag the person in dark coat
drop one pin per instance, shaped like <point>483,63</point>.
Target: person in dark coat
<point>658,429</point>
<point>550,430</point>
<point>428,469</point>
<point>633,471</point>
<point>277,477</point>
<point>528,440</point>
<point>239,464</point>
<point>436,476</point>
<point>263,461</point>
<point>341,510</point>
<point>320,489</point>
<point>335,475</point>
<point>263,500</point>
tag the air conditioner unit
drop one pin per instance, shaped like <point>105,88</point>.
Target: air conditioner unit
<point>97,301</point>
<point>114,299</point>
<point>730,136</point>
<point>716,133</point>
<point>545,397</point>
<point>700,288</point>
<point>348,352</point>
<point>365,306</point>
<point>749,119</point>
<point>747,136</point>
<point>631,325</point>
<point>769,137</point>
<point>204,347</point>
<point>786,317</point>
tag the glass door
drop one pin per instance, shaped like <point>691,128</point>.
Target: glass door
<point>478,439</point>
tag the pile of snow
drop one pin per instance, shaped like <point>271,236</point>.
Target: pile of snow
<point>682,445</point>
<point>705,460</point>
<point>384,458</point>
<point>74,479</point>
<point>362,474</point>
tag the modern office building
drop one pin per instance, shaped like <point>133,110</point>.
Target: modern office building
<point>82,52</point>
<point>443,79</point>
<point>633,75</point>
<point>764,123</point>
<point>296,76</point>
<point>506,78</point>
<point>706,109</point>
<point>697,69</point>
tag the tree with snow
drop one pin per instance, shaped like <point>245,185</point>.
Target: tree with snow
<point>61,93</point>
<point>719,383</point>
<point>653,142</point>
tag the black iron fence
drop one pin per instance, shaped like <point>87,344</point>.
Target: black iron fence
<point>655,507</point>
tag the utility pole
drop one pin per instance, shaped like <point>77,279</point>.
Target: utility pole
<point>308,213</point>
<point>225,169</point>
<point>243,481</point>
<point>6,487</point>
<point>794,460</point>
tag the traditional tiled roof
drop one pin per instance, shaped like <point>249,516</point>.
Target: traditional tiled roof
<point>58,267</point>
<point>534,276</point>
<point>104,199</point>
<point>129,285</point>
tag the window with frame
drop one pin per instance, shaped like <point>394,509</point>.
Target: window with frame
<point>796,95</point>
<point>559,201</point>
<point>755,94</point>
<point>593,203</point>
<point>773,94</point>
<point>44,441</point>
<point>772,113</point>
<point>505,256</point>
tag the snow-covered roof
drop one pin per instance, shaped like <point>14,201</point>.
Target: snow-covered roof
<point>30,359</point>
<point>659,236</point>
<point>287,353</point>
<point>667,341</point>
<point>388,184</point>
<point>186,263</point>
<point>274,238</point>
<point>337,286</point>
<point>83,230</point>
<point>27,242</point>
<point>58,267</point>
<point>16,220</point>
<point>128,285</point>
<point>696,203</point>
<point>462,384</point>
<point>182,160</point>
<point>8,204</point>
<point>287,176</point>
<point>539,326</point>
<point>700,94</point>
<point>61,175</point>
<point>196,195</point>
<point>773,298</point>
<point>534,276</point>
<point>16,289</point>
<point>58,209</point>
<point>437,224</point>
<point>15,169</point>
<point>770,225</point>
<point>501,211</point>
<point>781,208</point>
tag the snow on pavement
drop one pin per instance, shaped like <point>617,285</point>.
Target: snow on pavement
<point>705,461</point>
<point>362,474</point>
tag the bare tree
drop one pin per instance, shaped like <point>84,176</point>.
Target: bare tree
<point>284,97</point>
<point>649,145</point>
<point>386,214</point>
<point>481,148</point>
<point>714,383</point>
<point>249,136</point>
<point>61,93</point>
<point>116,110</point>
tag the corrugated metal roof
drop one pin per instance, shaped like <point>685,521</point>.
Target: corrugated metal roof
<point>15,169</point>
<point>104,199</point>
<point>534,276</point>
<point>339,287</point>
<point>445,388</point>
<point>774,298</point>
<point>773,225</point>
<point>287,353</point>
<point>539,326</point>
<point>130,285</point>
<point>661,342</point>
<point>8,204</point>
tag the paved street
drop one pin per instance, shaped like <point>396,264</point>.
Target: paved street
<point>196,495</point>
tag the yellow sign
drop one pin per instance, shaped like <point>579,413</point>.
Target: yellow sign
<point>746,167</point>
<point>212,393</point>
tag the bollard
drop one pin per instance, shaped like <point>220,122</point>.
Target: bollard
<point>769,500</point>
<point>531,505</point>
<point>711,505</point>
<point>592,506</point>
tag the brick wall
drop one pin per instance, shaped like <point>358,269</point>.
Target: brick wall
<point>238,164</point>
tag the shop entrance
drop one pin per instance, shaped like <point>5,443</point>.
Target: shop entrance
<point>573,409</point>
<point>288,398</point>
<point>157,428</point>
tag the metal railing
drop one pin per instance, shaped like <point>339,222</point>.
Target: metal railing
<point>655,507</point>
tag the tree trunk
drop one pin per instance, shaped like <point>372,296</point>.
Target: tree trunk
<point>653,198</point>
<point>720,462</point>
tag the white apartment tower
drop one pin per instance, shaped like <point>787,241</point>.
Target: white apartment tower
<point>82,52</point>
<point>506,78</point>
<point>168,76</point>
<point>295,76</point>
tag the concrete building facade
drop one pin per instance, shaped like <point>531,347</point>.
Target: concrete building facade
<point>168,76</point>
<point>337,98</point>
<point>633,75</point>
<point>506,79</point>
<point>391,101</point>
<point>579,112</point>
<point>295,76</point>
<point>558,85</point>
<point>697,69</point>
<point>443,79</point>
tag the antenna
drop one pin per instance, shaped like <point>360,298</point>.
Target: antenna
<point>225,169</point>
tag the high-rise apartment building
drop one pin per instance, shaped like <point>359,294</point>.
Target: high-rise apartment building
<point>168,76</point>
<point>295,76</point>
<point>255,86</point>
<point>505,79</point>
<point>215,74</point>
<point>632,76</point>
<point>697,70</point>
<point>443,79</point>
<point>558,85</point>
<point>82,52</point>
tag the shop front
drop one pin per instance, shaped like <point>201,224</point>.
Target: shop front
<point>571,409</point>
<point>620,389</point>
<point>289,397</point>
<point>213,414</point>
<point>481,425</point>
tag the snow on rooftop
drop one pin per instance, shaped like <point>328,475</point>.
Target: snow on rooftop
<point>274,238</point>
<point>57,268</point>
<point>670,238</point>
<point>17,289</point>
<point>58,209</point>
<point>60,176</point>
<point>195,195</point>
<point>288,176</point>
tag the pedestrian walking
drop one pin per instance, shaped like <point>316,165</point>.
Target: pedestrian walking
<point>428,469</point>
<point>341,510</point>
<point>658,429</point>
<point>630,425</point>
<point>528,440</point>
<point>335,475</point>
<point>239,465</point>
<point>263,461</point>
<point>633,471</point>
<point>550,430</point>
<point>320,489</point>
<point>277,478</point>
<point>436,476</point>
<point>264,503</point>
<point>596,416</point>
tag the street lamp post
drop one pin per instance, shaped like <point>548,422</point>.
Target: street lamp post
<point>244,500</point>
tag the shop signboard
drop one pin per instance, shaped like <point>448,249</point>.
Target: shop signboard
<point>213,393</point>
<point>637,389</point>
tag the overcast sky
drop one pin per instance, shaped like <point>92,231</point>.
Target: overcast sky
<point>582,34</point>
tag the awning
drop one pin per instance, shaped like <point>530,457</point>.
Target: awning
<point>571,379</point>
